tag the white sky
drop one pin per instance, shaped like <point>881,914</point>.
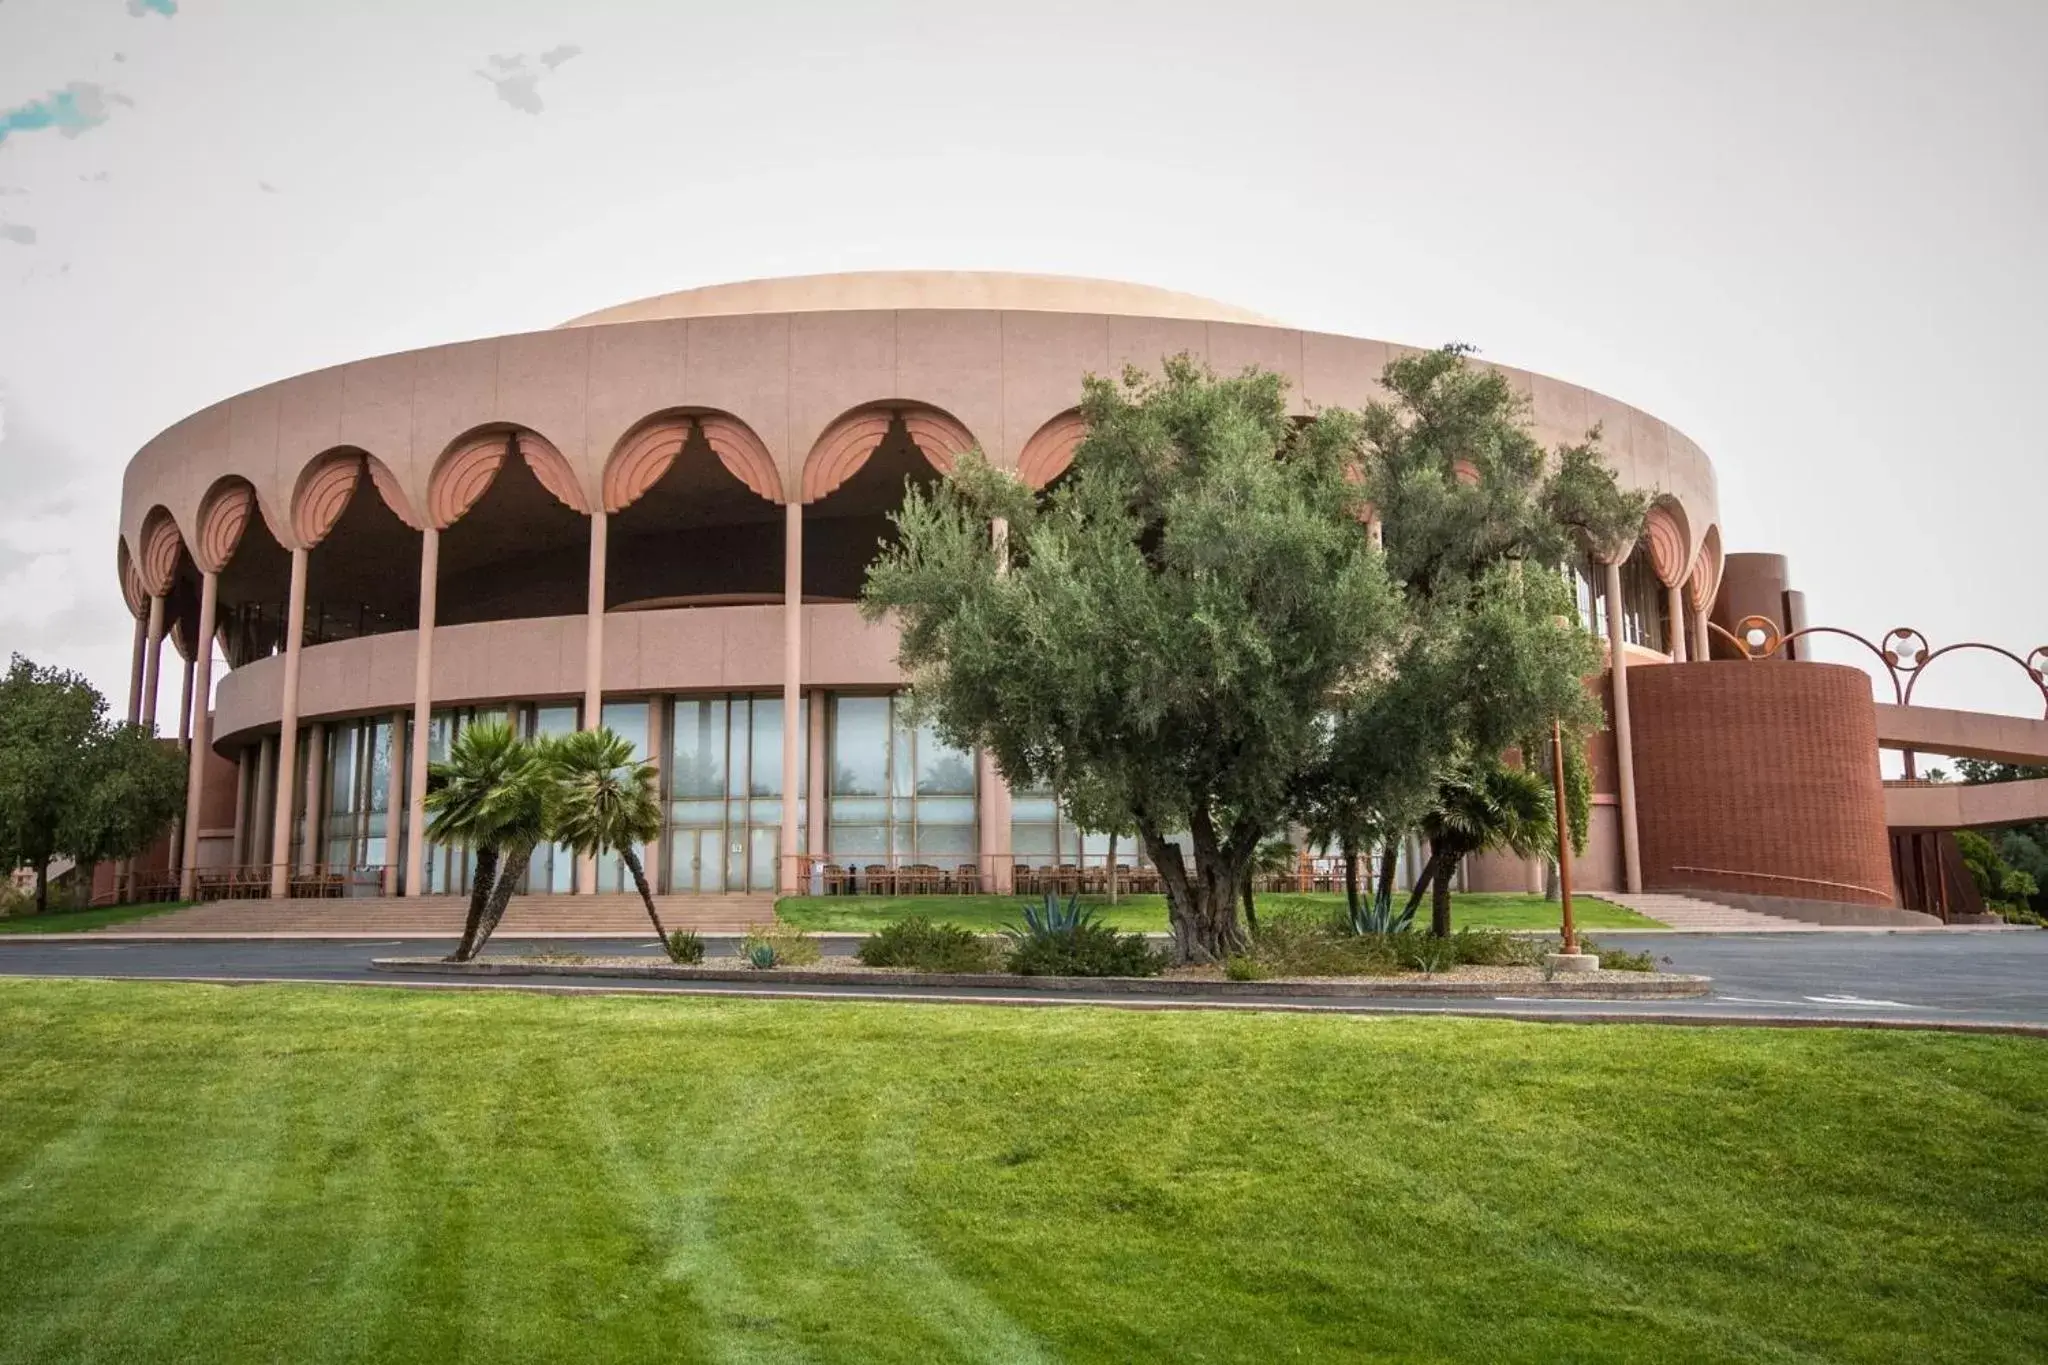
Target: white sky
<point>1812,236</point>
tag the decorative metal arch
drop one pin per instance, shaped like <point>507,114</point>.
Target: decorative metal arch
<point>1904,654</point>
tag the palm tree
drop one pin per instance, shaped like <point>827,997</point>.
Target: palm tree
<point>1480,806</point>
<point>525,809</point>
<point>463,798</point>
<point>608,805</point>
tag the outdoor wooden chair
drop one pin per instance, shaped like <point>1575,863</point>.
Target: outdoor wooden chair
<point>1066,880</point>
<point>836,879</point>
<point>876,879</point>
<point>966,879</point>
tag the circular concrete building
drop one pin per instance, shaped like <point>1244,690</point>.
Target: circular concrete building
<point>658,517</point>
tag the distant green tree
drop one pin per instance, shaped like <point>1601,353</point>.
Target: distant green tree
<point>1176,621</point>
<point>609,806</point>
<point>1483,806</point>
<point>466,807</point>
<point>1480,522</point>
<point>72,784</point>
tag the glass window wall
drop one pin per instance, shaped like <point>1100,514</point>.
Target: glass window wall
<point>355,823</point>
<point>725,792</point>
<point>898,793</point>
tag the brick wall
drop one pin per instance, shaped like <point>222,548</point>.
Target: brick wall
<point>1760,777</point>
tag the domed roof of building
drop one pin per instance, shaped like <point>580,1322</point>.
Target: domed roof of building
<point>891,289</point>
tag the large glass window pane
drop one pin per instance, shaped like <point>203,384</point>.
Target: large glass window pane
<point>766,760</point>
<point>697,748</point>
<point>942,769</point>
<point>860,746</point>
<point>628,720</point>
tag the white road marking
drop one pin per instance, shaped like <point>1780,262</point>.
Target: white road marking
<point>1755,1000</point>
<point>1858,1002</point>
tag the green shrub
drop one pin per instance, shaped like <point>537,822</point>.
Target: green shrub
<point>684,947</point>
<point>919,945</point>
<point>1618,959</point>
<point>1243,967</point>
<point>1494,948</point>
<point>1310,942</point>
<point>766,946</point>
<point>1090,949</point>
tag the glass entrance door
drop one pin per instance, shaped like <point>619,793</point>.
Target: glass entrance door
<point>697,859</point>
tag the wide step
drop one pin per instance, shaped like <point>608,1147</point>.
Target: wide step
<point>1699,916</point>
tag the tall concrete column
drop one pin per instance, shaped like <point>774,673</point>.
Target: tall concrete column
<point>135,670</point>
<point>288,733</point>
<point>1674,607</point>
<point>185,707</point>
<point>200,691</point>
<point>814,783</point>
<point>1624,745</point>
<point>422,715</point>
<point>152,660</point>
<point>316,781</point>
<point>1702,644</point>
<point>394,801</point>
<point>789,866</point>
<point>262,795</point>
<point>245,779</point>
<point>593,662</point>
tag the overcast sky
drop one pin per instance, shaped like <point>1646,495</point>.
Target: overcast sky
<point>1814,237</point>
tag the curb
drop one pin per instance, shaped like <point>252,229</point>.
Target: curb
<point>1650,986</point>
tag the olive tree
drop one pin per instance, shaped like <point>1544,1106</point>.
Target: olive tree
<point>1171,625</point>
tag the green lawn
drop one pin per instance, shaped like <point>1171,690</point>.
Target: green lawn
<point>324,1174</point>
<point>78,921</point>
<point>1476,910</point>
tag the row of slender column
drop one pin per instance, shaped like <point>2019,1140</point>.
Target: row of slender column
<point>789,863</point>
<point>279,852</point>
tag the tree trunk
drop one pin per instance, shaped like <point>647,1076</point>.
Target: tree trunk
<point>1423,882</point>
<point>483,877</point>
<point>1251,911</point>
<point>1440,900</point>
<point>1383,893</point>
<point>509,868</point>
<point>1112,867</point>
<point>1351,879</point>
<point>1201,907</point>
<point>631,857</point>
<point>42,888</point>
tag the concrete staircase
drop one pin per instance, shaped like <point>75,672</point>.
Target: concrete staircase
<point>393,916</point>
<point>1696,916</point>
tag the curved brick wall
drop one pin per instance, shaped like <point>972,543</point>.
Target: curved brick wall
<point>1760,777</point>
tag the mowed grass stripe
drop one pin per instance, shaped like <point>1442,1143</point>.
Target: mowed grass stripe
<point>205,1173</point>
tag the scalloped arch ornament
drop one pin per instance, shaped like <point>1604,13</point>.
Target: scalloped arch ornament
<point>1704,584</point>
<point>1050,451</point>
<point>160,546</point>
<point>849,442</point>
<point>1666,536</point>
<point>467,468</point>
<point>648,454</point>
<point>324,490</point>
<point>223,517</point>
<point>131,582</point>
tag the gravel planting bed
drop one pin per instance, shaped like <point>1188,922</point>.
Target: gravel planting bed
<point>1189,981</point>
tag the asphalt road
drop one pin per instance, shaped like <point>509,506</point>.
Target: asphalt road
<point>1959,979</point>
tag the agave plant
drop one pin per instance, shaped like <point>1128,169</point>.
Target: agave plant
<point>1051,918</point>
<point>761,956</point>
<point>1376,915</point>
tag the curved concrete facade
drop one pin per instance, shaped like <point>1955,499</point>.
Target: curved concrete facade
<point>788,377</point>
<point>1761,778</point>
<point>671,500</point>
